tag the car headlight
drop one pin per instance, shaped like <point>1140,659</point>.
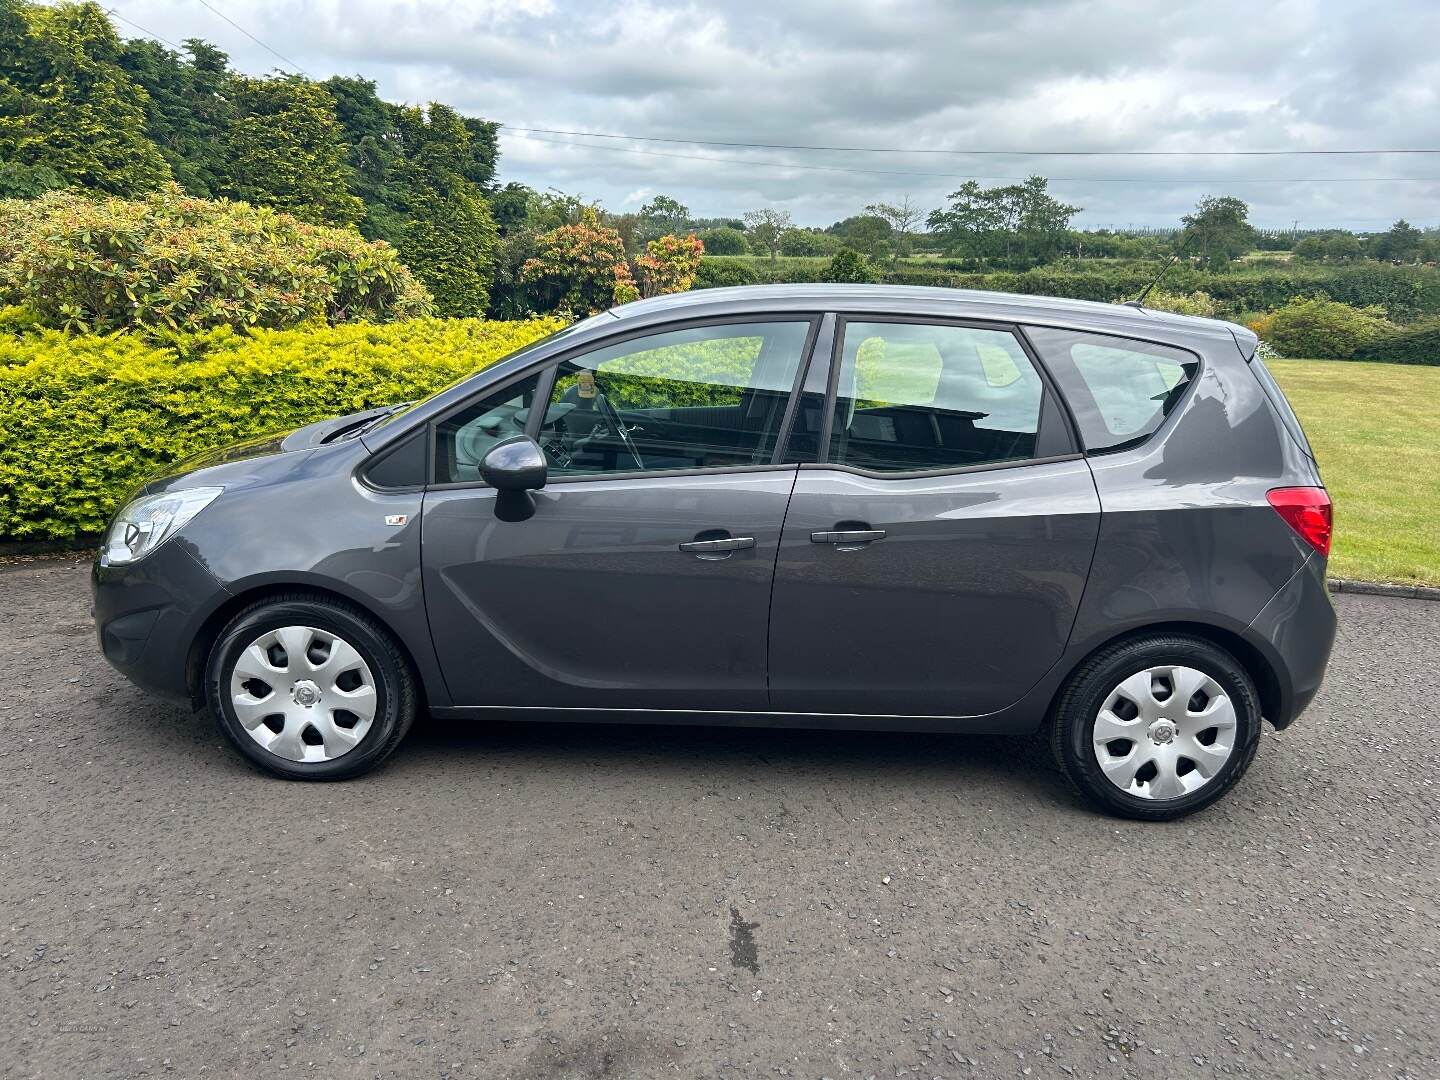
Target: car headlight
<point>147,522</point>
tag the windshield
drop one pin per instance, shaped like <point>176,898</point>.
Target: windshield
<point>567,331</point>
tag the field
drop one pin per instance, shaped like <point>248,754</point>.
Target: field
<point>1376,431</point>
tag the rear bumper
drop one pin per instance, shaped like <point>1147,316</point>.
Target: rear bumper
<point>147,615</point>
<point>1296,631</point>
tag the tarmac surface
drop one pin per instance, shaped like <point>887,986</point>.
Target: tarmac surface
<point>533,900</point>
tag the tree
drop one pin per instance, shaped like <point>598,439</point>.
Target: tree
<point>484,152</point>
<point>286,150</point>
<point>374,153</point>
<point>809,243</point>
<point>510,206</point>
<point>449,238</point>
<point>66,104</point>
<point>1044,222</point>
<point>187,107</point>
<point>725,241</point>
<point>661,216</point>
<point>1218,230</point>
<point>903,220</point>
<point>866,233</point>
<point>1334,245</point>
<point>1401,243</point>
<point>763,228</point>
<point>1015,225</point>
<point>968,222</point>
<point>449,242</point>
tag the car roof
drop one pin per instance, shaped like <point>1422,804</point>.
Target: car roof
<point>1119,319</point>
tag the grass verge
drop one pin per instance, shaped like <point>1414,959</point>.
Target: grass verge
<point>1375,429</point>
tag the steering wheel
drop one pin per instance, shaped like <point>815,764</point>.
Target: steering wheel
<point>612,418</point>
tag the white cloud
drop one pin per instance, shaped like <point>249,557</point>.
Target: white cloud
<point>1037,74</point>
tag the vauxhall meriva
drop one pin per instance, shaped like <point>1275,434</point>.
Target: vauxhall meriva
<point>821,506</point>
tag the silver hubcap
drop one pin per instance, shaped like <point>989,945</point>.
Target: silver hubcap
<point>303,694</point>
<point>1165,732</point>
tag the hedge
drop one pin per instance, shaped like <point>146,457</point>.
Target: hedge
<point>1418,343</point>
<point>84,418</point>
<point>1405,292</point>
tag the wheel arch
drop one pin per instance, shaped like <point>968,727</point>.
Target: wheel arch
<point>215,621</point>
<point>1261,668</point>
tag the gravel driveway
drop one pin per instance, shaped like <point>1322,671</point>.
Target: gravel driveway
<point>532,900</point>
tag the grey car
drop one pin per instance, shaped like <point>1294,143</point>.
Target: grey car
<point>820,506</point>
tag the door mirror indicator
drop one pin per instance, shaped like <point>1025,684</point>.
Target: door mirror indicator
<point>514,468</point>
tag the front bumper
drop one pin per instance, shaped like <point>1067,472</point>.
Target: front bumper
<point>1296,630</point>
<point>148,615</point>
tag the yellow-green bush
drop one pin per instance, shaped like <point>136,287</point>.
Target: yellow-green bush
<point>84,418</point>
<point>167,262</point>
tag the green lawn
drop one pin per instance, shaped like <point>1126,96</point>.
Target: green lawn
<point>1376,431</point>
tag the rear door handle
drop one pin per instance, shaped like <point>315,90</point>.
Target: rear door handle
<point>847,536</point>
<point>714,550</point>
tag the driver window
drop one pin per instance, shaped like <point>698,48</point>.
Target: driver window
<point>704,397</point>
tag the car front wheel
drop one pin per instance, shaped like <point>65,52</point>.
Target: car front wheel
<point>309,688</point>
<point>1157,727</point>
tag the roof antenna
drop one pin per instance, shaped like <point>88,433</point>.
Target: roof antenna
<point>1139,301</point>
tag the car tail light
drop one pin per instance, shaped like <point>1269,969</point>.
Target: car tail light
<point>1307,511</point>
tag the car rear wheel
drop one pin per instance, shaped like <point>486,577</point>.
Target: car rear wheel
<point>1157,727</point>
<point>310,689</point>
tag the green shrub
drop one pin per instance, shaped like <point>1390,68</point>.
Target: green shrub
<point>805,243</point>
<point>1324,329</point>
<point>849,265</point>
<point>168,262</point>
<point>717,273</point>
<point>1196,303</point>
<point>1418,343</point>
<point>725,241</point>
<point>85,418</point>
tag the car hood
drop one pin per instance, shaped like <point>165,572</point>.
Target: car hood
<point>255,459</point>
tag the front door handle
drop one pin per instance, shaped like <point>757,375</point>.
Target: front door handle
<point>714,550</point>
<point>847,536</point>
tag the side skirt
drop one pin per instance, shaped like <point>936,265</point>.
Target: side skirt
<point>1009,722</point>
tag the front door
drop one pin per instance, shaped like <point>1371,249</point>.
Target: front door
<point>933,562</point>
<point>642,579</point>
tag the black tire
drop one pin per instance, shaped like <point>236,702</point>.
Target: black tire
<point>397,696</point>
<point>1073,720</point>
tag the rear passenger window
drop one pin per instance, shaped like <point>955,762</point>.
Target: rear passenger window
<point>1120,390</point>
<point>913,397</point>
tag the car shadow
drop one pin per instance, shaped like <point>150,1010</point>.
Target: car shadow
<point>914,760</point>
<point>1002,767</point>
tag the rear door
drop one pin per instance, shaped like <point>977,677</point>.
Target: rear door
<point>933,558</point>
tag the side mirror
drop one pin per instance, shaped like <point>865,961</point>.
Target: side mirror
<point>517,464</point>
<point>514,468</point>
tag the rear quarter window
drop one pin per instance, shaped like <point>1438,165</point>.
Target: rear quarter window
<point>1120,390</point>
<point>1277,399</point>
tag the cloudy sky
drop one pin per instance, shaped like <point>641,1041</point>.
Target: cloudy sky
<point>911,75</point>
